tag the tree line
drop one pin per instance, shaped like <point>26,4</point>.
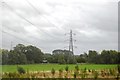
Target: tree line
<point>22,54</point>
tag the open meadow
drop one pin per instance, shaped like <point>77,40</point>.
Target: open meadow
<point>48,67</point>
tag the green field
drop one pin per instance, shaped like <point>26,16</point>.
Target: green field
<point>48,67</point>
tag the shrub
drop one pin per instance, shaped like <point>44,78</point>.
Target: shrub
<point>53,71</point>
<point>82,75</point>
<point>77,68</point>
<point>85,70</point>
<point>118,67</point>
<point>95,75</point>
<point>60,72</point>
<point>66,68</point>
<point>118,75</point>
<point>111,72</point>
<point>76,73</point>
<point>21,70</point>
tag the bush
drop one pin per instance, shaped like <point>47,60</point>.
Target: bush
<point>77,68</point>
<point>111,72</point>
<point>118,67</point>
<point>66,68</point>
<point>85,70</point>
<point>53,71</point>
<point>76,73</point>
<point>83,75</point>
<point>60,72</point>
<point>21,70</point>
<point>96,75</point>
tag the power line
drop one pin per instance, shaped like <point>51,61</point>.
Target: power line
<point>39,13</point>
<point>4,26</point>
<point>17,32</point>
<point>15,36</point>
<point>24,18</point>
<point>21,18</point>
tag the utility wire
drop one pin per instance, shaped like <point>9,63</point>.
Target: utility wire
<point>17,32</point>
<point>41,15</point>
<point>20,38</point>
<point>38,12</point>
<point>25,18</point>
<point>15,37</point>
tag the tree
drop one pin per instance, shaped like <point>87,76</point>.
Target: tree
<point>69,57</point>
<point>105,56</point>
<point>82,58</point>
<point>63,56</point>
<point>92,56</point>
<point>25,54</point>
<point>20,48</point>
<point>22,59</point>
<point>34,54</point>
<point>57,55</point>
<point>4,55</point>
<point>19,53</point>
<point>118,60</point>
<point>13,57</point>
<point>61,59</point>
<point>48,57</point>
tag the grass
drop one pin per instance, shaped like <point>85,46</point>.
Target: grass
<point>48,67</point>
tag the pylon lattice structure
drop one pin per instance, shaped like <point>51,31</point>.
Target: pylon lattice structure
<point>71,42</point>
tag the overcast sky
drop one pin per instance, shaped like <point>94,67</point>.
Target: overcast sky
<point>44,23</point>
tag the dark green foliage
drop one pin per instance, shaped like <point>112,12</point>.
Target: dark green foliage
<point>105,57</point>
<point>66,68</point>
<point>118,58</point>
<point>4,56</point>
<point>61,59</point>
<point>77,68</point>
<point>21,70</point>
<point>109,57</point>
<point>48,57</point>
<point>75,74</point>
<point>82,58</point>
<point>60,72</point>
<point>118,67</point>
<point>63,56</point>
<point>34,54</point>
<point>53,71</point>
<point>92,56</point>
<point>22,54</point>
<point>84,71</point>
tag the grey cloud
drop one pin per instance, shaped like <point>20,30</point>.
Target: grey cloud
<point>95,24</point>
